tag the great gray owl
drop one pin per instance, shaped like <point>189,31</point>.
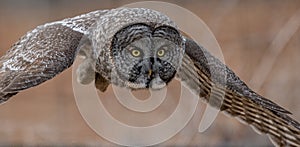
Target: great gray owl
<point>138,48</point>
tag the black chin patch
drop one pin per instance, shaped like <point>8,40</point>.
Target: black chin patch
<point>140,71</point>
<point>167,71</point>
<point>135,73</point>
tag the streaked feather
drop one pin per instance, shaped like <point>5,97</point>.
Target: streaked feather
<point>235,98</point>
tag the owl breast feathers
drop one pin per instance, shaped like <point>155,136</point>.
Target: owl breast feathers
<point>138,48</point>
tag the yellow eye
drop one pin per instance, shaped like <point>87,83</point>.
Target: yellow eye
<point>135,53</point>
<point>161,52</point>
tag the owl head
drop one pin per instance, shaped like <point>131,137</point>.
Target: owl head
<point>146,56</point>
<point>135,51</point>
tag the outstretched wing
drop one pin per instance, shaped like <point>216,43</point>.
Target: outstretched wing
<point>220,87</point>
<point>43,53</point>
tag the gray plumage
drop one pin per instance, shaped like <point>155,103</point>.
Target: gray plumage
<point>107,40</point>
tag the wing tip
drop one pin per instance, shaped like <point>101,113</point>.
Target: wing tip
<point>5,96</point>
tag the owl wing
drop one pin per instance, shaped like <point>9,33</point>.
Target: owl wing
<point>43,53</point>
<point>221,88</point>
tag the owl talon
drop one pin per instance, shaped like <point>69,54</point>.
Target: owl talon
<point>85,73</point>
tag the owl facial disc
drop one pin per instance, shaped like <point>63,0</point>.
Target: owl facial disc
<point>146,56</point>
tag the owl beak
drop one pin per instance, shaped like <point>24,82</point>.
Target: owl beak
<point>149,73</point>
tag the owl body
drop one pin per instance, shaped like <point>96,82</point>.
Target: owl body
<point>138,48</point>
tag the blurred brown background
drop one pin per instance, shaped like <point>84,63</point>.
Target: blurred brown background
<point>245,30</point>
